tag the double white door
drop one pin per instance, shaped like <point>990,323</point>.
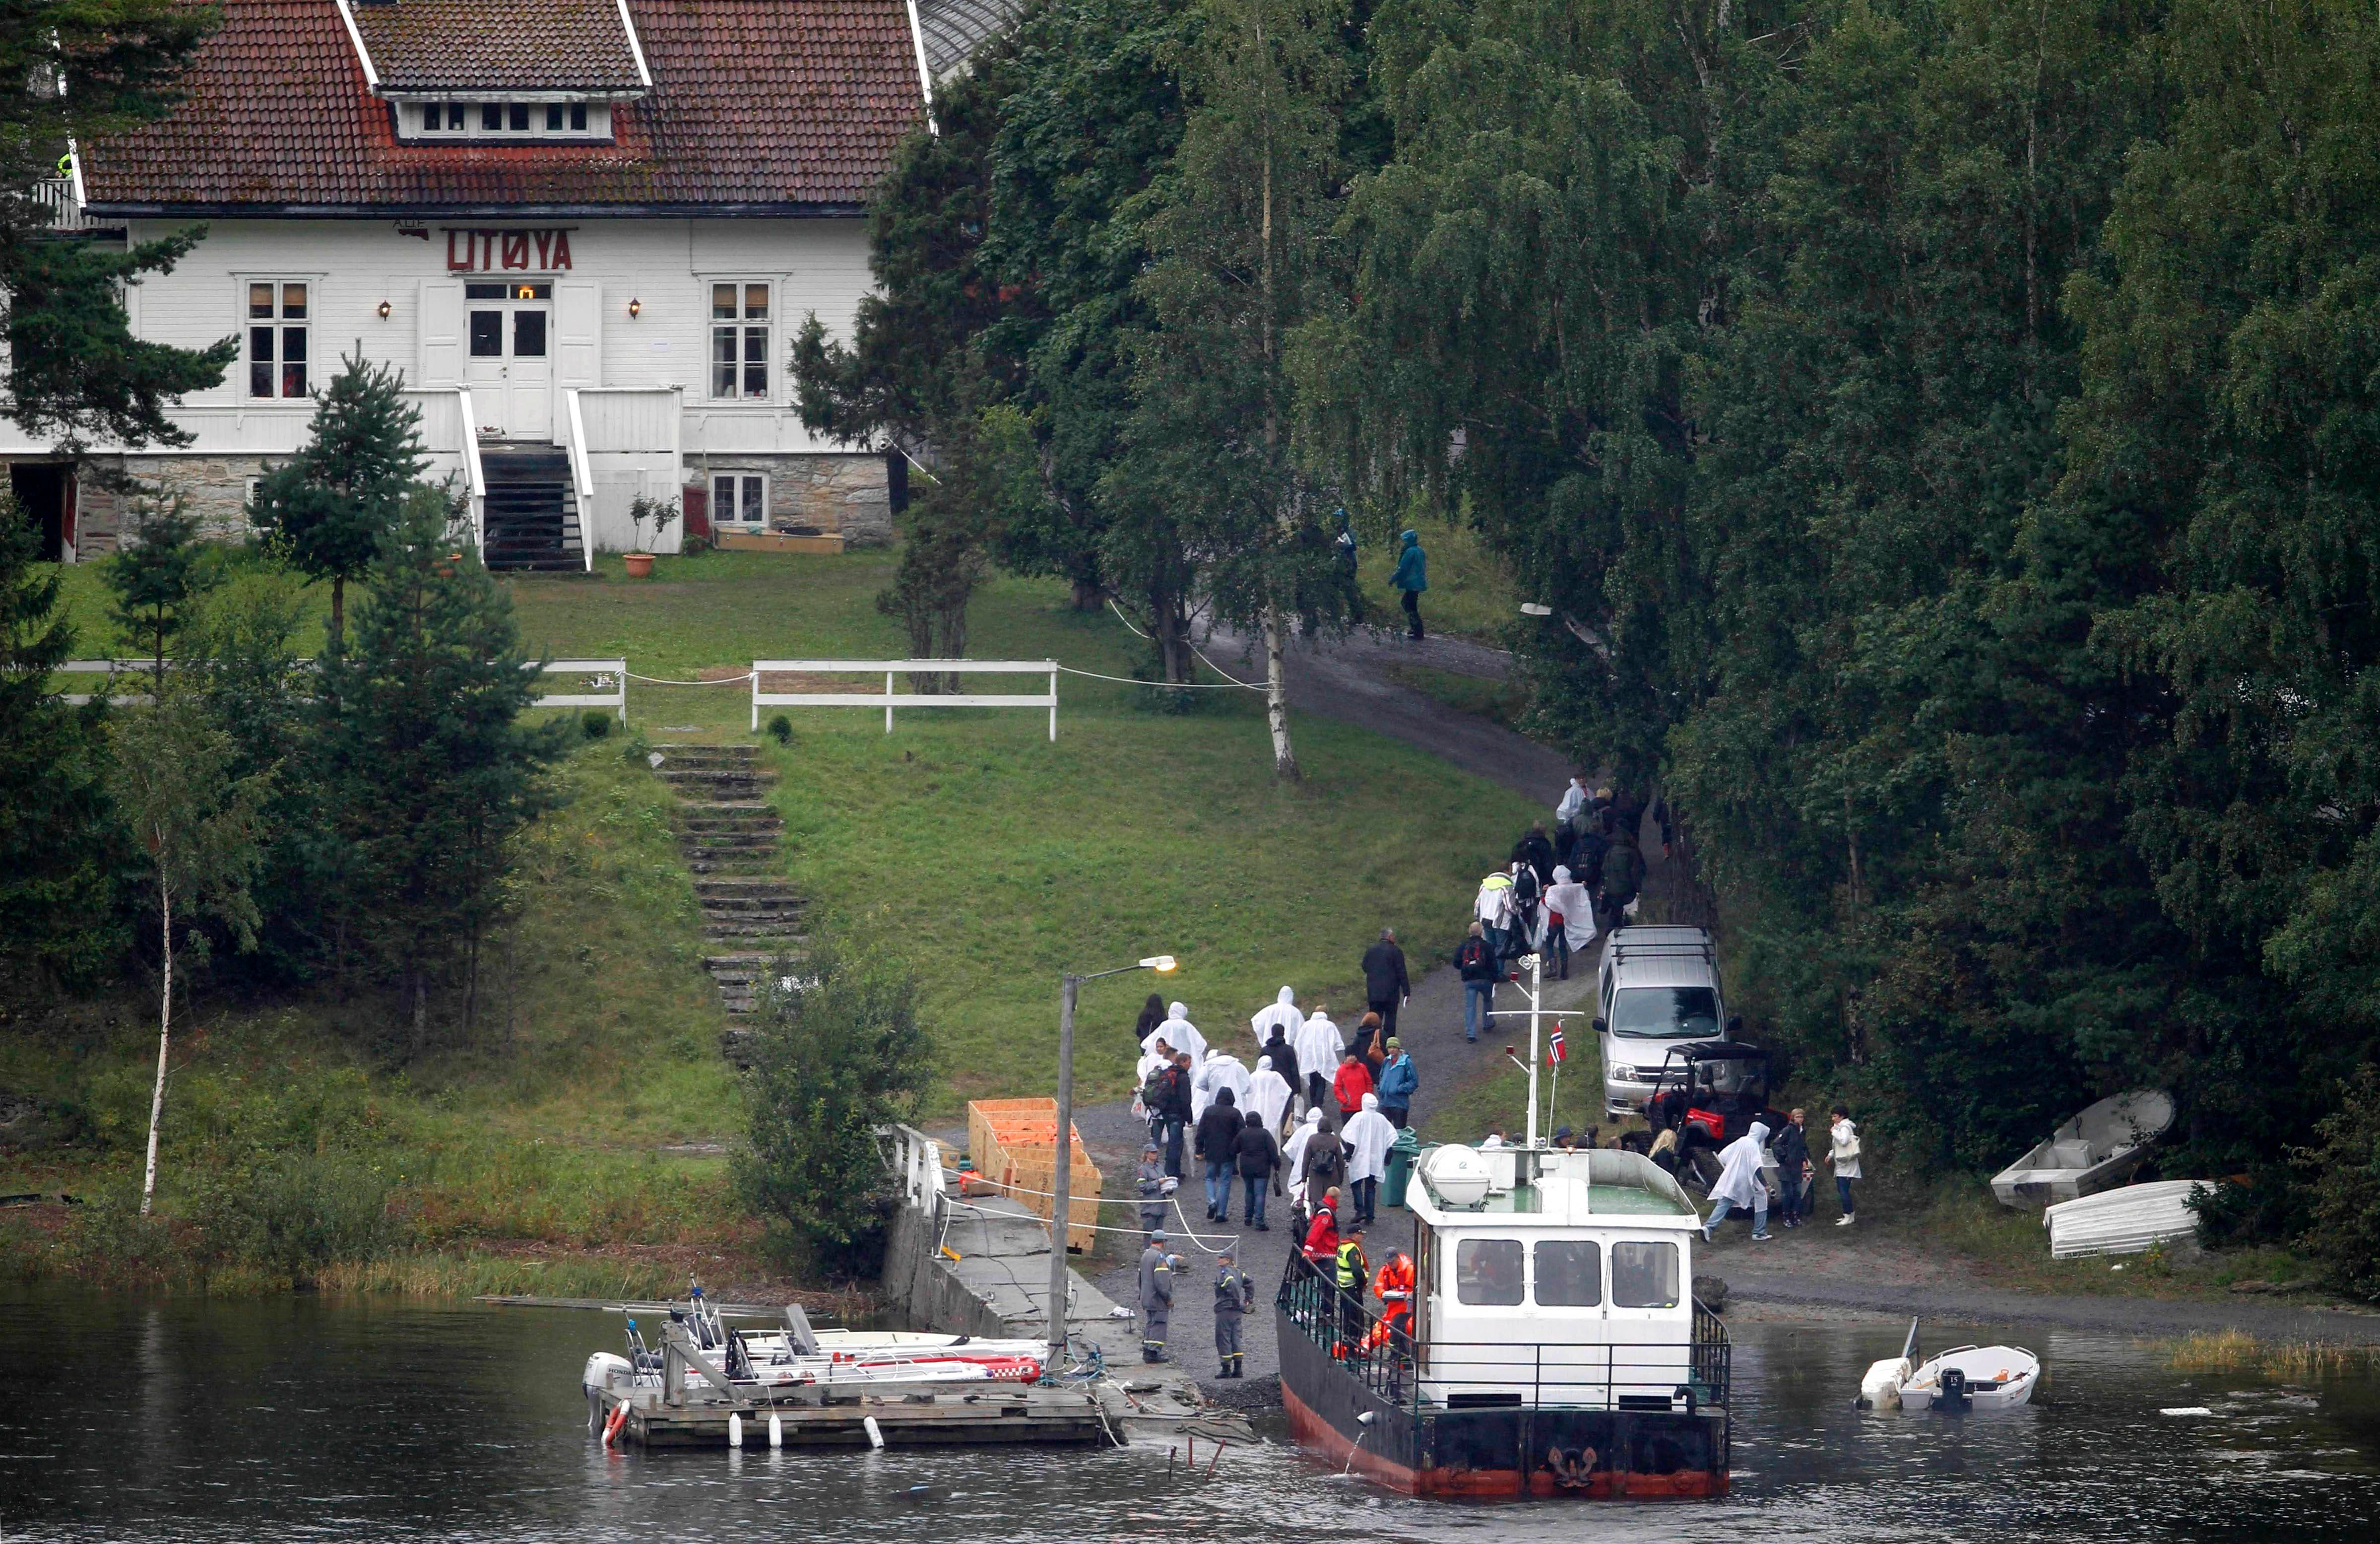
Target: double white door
<point>509,364</point>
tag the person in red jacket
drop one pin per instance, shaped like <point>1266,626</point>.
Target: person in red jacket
<point>1355,1081</point>
<point>1322,1239</point>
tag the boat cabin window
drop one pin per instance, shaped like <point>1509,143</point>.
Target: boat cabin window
<point>1569,1273</point>
<point>1487,1272</point>
<point>1645,1275</point>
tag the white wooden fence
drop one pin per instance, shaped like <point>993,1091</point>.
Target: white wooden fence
<point>892,670</point>
<point>615,697</point>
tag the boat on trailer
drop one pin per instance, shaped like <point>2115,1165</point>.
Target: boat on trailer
<point>1556,1347</point>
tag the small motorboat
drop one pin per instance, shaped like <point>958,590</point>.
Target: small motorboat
<point>2096,1150</point>
<point>1963,1378</point>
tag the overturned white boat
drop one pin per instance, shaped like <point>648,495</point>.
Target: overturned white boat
<point>2096,1150</point>
<point>1963,1378</point>
<point>2125,1222</point>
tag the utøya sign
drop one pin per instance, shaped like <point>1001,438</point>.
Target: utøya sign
<point>482,251</point>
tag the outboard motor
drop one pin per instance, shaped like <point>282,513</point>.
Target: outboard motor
<point>1954,1394</point>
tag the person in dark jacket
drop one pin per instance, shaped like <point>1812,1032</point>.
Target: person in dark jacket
<point>1480,970</point>
<point>1173,1107</point>
<point>1536,850</point>
<point>1155,1297</point>
<point>1326,1166</point>
<point>1234,1295</point>
<point>1623,876</point>
<point>1152,1017</point>
<point>1791,1148</point>
<point>1258,1157</point>
<point>1283,1058</point>
<point>1386,986</point>
<point>1217,1143</point>
<point>1148,1186</point>
<point>1411,577</point>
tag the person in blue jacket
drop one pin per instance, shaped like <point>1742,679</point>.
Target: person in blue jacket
<point>1399,1079</point>
<point>1411,576</point>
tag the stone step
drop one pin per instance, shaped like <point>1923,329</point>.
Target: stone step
<point>700,747</point>
<point>747,888</point>
<point>715,777</point>
<point>754,930</point>
<point>747,963</point>
<point>782,904</point>
<point>736,1046</point>
<point>750,834</point>
<point>699,866</point>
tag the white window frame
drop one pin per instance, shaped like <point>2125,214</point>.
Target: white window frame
<point>766,490</point>
<point>428,122</point>
<point>280,326</point>
<point>742,327</point>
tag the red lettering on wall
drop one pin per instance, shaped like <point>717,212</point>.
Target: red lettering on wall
<point>470,251</point>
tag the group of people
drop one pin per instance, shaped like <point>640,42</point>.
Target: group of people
<point>1741,1186</point>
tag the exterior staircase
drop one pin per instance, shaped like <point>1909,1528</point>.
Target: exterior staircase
<point>729,833</point>
<point>532,510</point>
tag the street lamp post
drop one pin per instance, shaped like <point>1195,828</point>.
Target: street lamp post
<point>1060,1194</point>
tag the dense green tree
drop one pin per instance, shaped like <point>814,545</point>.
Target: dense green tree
<point>160,578</point>
<point>424,757</point>
<point>55,857</point>
<point>327,509</point>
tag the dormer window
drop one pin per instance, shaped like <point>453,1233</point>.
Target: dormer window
<point>441,122</point>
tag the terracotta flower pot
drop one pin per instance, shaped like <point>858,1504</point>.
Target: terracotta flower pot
<point>640,565</point>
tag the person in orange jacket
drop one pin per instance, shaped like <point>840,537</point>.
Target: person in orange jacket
<point>1355,1081</point>
<point>1394,1286</point>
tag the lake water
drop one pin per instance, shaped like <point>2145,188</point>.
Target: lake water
<point>384,1419</point>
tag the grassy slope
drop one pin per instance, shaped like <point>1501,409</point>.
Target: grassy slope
<point>996,858</point>
<point>1470,594</point>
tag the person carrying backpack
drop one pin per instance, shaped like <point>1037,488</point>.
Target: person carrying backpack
<point>1478,965</point>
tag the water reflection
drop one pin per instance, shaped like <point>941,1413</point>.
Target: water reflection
<point>196,1421</point>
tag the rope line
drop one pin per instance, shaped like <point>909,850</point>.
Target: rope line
<point>1221,672</point>
<point>1174,1200</point>
<point>1158,685</point>
<point>666,681</point>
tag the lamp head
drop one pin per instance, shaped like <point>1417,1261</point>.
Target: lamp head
<point>1161,964</point>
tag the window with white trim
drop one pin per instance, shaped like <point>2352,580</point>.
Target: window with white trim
<point>739,499</point>
<point>739,340</point>
<point>277,355</point>
<point>504,120</point>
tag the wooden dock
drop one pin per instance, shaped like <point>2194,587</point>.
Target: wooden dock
<point>981,1416</point>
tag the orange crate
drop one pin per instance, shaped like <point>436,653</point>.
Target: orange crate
<point>1013,1143</point>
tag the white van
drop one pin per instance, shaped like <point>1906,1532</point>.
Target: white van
<point>1658,988</point>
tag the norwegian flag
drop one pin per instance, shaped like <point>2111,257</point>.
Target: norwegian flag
<point>1554,1050</point>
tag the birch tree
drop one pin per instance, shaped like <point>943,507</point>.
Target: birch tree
<point>200,830</point>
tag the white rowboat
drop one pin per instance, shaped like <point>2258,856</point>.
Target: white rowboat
<point>2096,1150</point>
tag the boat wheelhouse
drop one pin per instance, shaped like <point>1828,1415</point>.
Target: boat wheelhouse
<point>1555,1345</point>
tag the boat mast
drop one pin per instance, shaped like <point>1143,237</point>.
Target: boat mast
<point>1536,1003</point>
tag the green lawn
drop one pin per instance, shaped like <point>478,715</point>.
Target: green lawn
<point>1470,594</point>
<point>994,858</point>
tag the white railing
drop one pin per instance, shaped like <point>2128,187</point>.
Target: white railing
<point>917,1160</point>
<point>475,476</point>
<point>582,478</point>
<point>891,670</point>
<point>612,672</point>
<point>453,447</point>
<point>56,196</point>
<point>111,669</point>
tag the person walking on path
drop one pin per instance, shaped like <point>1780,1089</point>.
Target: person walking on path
<point>1267,1095</point>
<point>1476,963</point>
<point>1284,1057</point>
<point>1537,852</point>
<point>1411,577</point>
<point>1326,1168</point>
<point>1369,1135</point>
<point>1570,919</point>
<point>1319,1050</point>
<point>1387,988</point>
<point>1222,1071</point>
<point>1843,1152</point>
<point>1527,933</point>
<point>1279,1016</point>
<point>1573,799</point>
<point>1148,1184</point>
<point>1173,1108</point>
<point>1180,1033</point>
<point>1218,1142</point>
<point>1234,1293</point>
<point>1155,1297</point>
<point>1292,1163</point>
<point>1399,1079</point>
<point>1494,909</point>
<point>1740,1184</point>
<point>1152,1019</point>
<point>1322,1233</point>
<point>1793,1149</point>
<point>1623,874</point>
<point>1353,1081</point>
<point>1258,1157</point>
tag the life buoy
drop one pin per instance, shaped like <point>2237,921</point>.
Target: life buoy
<point>619,1418</point>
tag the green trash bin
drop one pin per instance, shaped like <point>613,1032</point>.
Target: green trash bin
<point>1403,1153</point>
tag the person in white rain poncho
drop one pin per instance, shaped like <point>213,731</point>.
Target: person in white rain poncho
<point>1280,1013</point>
<point>1740,1184</point>
<point>1269,1094</point>
<point>1368,1134</point>
<point>1221,1070</point>
<point>1568,899</point>
<point>1292,1152</point>
<point>1320,1051</point>
<point>1180,1033</point>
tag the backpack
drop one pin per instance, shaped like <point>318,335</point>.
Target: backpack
<point>1152,1093</point>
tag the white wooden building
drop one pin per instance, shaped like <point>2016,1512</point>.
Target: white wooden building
<point>585,230</point>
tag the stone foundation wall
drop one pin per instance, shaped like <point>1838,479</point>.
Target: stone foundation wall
<point>846,494</point>
<point>215,487</point>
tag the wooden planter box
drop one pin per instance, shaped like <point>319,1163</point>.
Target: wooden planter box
<point>770,542</point>
<point>1015,1145</point>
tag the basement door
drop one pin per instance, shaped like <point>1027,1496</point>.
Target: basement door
<point>508,331</point>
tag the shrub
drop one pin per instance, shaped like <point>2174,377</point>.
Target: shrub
<point>2344,1170</point>
<point>595,723</point>
<point>295,1213</point>
<point>781,729</point>
<point>835,1054</point>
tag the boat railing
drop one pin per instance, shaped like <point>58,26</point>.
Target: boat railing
<point>1441,1374</point>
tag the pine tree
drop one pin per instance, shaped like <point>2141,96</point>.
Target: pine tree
<point>432,771</point>
<point>57,856</point>
<point>161,580</point>
<point>327,510</point>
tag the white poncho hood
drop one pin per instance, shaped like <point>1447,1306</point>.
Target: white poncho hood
<point>1369,1132</point>
<point>1318,1047</point>
<point>1180,1033</point>
<point>1739,1179</point>
<point>1221,1070</point>
<point>1280,1013</point>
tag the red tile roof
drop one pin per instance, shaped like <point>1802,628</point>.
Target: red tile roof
<point>758,106</point>
<point>433,45</point>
